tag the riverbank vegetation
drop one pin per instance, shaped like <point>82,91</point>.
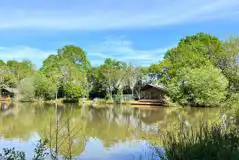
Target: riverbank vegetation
<point>204,142</point>
<point>200,71</point>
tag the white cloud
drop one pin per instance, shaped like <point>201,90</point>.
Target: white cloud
<point>119,49</point>
<point>115,14</point>
<point>124,50</point>
<point>20,53</point>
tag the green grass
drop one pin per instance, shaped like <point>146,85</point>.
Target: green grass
<point>207,142</point>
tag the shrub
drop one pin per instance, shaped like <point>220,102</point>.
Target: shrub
<point>12,154</point>
<point>44,87</point>
<point>26,89</point>
<point>204,86</point>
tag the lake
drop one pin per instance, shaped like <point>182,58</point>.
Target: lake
<point>90,133</point>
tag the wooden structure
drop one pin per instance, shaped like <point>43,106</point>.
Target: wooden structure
<point>151,91</point>
<point>151,95</point>
<point>8,92</point>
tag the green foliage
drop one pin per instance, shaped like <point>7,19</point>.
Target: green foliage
<point>205,142</point>
<point>112,74</point>
<point>41,150</point>
<point>231,106</point>
<point>73,90</point>
<point>195,70</point>
<point>229,63</point>
<point>64,74</point>
<point>1,63</point>
<point>7,78</point>
<point>133,76</point>
<point>98,88</point>
<point>68,70</point>
<point>14,72</point>
<point>27,89</point>
<point>75,55</point>
<point>155,68</point>
<point>204,86</point>
<point>56,68</point>
<point>68,74</point>
<point>20,70</point>
<point>118,98</point>
<point>205,44</point>
<point>12,154</point>
<point>44,87</point>
<point>193,51</point>
<point>115,76</point>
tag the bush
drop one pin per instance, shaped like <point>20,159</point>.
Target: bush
<point>26,89</point>
<point>12,154</point>
<point>74,90</point>
<point>204,86</point>
<point>44,87</point>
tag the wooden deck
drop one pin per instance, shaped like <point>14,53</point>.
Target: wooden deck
<point>148,102</point>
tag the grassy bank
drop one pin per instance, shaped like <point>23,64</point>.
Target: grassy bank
<point>207,142</point>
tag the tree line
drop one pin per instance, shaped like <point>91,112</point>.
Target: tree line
<point>69,75</point>
<point>200,71</point>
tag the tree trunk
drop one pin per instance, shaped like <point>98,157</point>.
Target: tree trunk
<point>56,94</point>
<point>132,93</point>
<point>138,94</point>
<point>120,94</point>
<point>110,94</point>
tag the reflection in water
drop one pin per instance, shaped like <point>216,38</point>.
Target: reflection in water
<point>92,133</point>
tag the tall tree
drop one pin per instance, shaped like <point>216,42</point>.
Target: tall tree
<point>113,75</point>
<point>184,71</point>
<point>75,55</point>
<point>68,69</point>
<point>193,51</point>
<point>132,76</point>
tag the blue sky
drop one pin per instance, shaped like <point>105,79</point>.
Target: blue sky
<point>135,31</point>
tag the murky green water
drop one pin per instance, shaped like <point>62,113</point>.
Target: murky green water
<point>88,133</point>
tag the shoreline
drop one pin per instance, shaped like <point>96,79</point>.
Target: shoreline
<point>95,102</point>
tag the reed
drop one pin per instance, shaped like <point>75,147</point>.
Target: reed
<point>206,142</point>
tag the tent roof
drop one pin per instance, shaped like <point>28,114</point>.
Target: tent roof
<point>12,90</point>
<point>157,86</point>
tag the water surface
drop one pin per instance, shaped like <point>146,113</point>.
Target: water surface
<point>89,133</point>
